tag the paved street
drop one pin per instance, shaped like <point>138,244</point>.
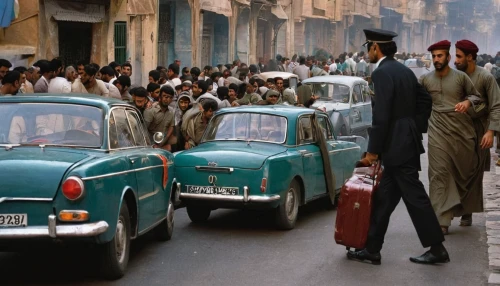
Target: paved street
<point>242,248</point>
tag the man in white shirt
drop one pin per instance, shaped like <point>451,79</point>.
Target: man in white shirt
<point>333,67</point>
<point>93,85</point>
<point>173,76</point>
<point>351,63</point>
<point>59,84</point>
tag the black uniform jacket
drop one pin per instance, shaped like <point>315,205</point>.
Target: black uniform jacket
<point>401,111</point>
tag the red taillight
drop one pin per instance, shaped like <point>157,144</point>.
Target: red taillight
<point>73,188</point>
<point>263,185</point>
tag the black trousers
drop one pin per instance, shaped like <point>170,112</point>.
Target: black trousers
<point>403,182</point>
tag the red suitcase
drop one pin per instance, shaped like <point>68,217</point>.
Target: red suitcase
<point>355,206</point>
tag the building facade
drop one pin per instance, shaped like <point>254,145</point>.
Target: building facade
<point>148,33</point>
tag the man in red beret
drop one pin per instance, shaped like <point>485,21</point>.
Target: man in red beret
<point>453,158</point>
<point>487,121</point>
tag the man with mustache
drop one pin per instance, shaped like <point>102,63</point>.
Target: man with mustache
<point>453,158</point>
<point>486,121</point>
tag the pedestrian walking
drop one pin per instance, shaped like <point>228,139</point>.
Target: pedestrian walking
<point>453,156</point>
<point>400,113</point>
<point>486,120</point>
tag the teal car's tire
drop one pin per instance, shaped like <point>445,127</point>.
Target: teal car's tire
<point>286,212</point>
<point>165,229</point>
<point>198,214</point>
<point>115,253</point>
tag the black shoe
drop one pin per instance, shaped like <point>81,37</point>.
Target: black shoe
<point>430,258</point>
<point>365,256</point>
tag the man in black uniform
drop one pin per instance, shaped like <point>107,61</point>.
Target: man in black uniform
<point>400,113</point>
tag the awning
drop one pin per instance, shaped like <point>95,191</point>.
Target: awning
<point>7,50</point>
<point>222,7</point>
<point>140,7</point>
<point>359,14</point>
<point>244,2</point>
<point>278,11</point>
<point>74,11</point>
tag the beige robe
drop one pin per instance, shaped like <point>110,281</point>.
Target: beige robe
<point>452,150</point>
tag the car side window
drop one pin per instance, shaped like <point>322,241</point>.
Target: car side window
<point>113,134</point>
<point>325,127</point>
<point>136,128</point>
<point>366,94</point>
<point>305,130</point>
<point>356,94</point>
<point>123,132</point>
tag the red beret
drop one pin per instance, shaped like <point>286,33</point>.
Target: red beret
<point>467,47</point>
<point>443,45</point>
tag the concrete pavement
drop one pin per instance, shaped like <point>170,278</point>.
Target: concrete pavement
<point>491,198</point>
<point>243,248</point>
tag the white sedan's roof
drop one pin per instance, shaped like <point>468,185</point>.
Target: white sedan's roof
<point>273,74</point>
<point>340,79</point>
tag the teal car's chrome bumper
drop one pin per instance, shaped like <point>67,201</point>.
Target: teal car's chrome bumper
<point>55,231</point>
<point>245,198</point>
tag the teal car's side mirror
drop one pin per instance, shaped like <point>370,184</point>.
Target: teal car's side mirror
<point>158,137</point>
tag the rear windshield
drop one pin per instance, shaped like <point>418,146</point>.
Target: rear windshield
<point>335,92</point>
<point>51,124</point>
<point>247,127</point>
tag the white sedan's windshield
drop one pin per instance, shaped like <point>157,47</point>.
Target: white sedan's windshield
<point>51,123</point>
<point>338,93</point>
<point>247,127</point>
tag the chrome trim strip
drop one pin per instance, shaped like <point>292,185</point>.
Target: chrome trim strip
<point>340,150</point>
<point>148,195</point>
<point>352,148</point>
<point>74,230</point>
<point>25,199</point>
<point>120,173</point>
<point>250,199</point>
<point>214,169</point>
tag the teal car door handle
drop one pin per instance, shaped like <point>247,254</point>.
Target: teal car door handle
<point>305,153</point>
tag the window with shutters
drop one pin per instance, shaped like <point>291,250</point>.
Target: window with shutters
<point>120,42</point>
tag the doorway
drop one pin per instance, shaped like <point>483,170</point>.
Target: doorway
<point>75,41</point>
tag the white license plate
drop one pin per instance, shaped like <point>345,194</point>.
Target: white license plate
<point>13,220</point>
<point>212,190</point>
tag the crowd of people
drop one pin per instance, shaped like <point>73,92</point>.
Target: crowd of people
<point>172,92</point>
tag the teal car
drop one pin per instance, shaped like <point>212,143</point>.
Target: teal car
<point>81,169</point>
<point>277,157</point>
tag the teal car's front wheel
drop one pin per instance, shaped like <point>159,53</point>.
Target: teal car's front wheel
<point>116,252</point>
<point>198,214</point>
<point>286,212</point>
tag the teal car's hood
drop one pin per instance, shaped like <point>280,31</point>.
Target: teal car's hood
<point>33,172</point>
<point>236,154</point>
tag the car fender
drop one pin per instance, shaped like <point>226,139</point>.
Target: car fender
<point>338,120</point>
<point>288,166</point>
<point>110,233</point>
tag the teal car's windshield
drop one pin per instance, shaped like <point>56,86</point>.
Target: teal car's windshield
<point>247,127</point>
<point>51,124</point>
<point>338,93</point>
